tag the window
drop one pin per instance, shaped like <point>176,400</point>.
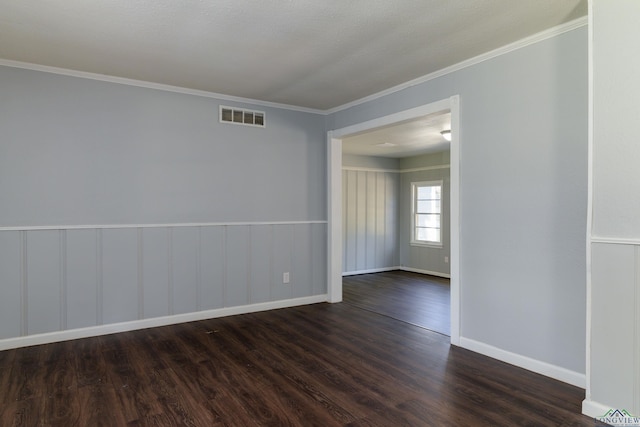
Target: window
<point>426,210</point>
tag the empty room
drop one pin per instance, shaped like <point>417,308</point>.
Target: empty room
<point>197,199</point>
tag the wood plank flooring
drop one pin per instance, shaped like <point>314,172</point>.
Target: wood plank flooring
<point>418,299</point>
<point>317,365</point>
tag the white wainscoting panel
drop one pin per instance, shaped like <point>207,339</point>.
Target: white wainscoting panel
<point>82,278</point>
<point>615,326</point>
<point>79,278</point>
<point>11,290</point>
<point>370,215</point>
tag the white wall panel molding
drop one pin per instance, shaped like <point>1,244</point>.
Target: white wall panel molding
<point>58,336</point>
<point>561,374</point>
<point>60,280</point>
<point>185,224</point>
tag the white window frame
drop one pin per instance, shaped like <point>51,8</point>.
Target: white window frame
<point>414,192</point>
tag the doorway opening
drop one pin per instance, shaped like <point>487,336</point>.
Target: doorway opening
<point>335,196</point>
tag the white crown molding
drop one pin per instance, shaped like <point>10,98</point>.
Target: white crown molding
<point>152,85</point>
<point>556,372</point>
<point>113,328</point>
<point>543,35</point>
<point>120,226</point>
<point>535,38</point>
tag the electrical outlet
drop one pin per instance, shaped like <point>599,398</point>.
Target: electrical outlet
<point>285,277</point>
<point>446,259</point>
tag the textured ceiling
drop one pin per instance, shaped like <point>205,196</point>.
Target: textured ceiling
<point>410,138</point>
<point>310,53</point>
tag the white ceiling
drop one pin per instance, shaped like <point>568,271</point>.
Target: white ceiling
<point>316,54</point>
<point>411,138</point>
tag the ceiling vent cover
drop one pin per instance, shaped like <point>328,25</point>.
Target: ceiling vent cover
<point>240,116</point>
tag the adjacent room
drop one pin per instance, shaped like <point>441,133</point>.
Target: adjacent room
<point>396,226</point>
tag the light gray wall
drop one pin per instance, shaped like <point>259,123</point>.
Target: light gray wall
<point>77,152</point>
<point>614,375</point>
<point>370,213</point>
<point>426,259</point>
<point>523,190</point>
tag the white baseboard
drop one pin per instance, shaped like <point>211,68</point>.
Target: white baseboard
<point>543,368</point>
<point>369,271</point>
<point>112,328</point>
<point>594,409</point>
<point>401,268</point>
<point>430,273</point>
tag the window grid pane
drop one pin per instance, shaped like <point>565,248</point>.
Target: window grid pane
<point>427,211</point>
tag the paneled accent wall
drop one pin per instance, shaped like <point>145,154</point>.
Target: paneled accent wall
<point>62,279</point>
<point>615,301</point>
<point>370,215</point>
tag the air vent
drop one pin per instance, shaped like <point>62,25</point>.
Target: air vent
<point>241,116</point>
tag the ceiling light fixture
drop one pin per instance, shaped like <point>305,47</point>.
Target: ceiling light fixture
<point>446,134</point>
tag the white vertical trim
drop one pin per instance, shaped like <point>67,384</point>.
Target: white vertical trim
<point>454,215</point>
<point>376,193</point>
<point>199,269</point>
<point>170,270</point>
<point>140,273</point>
<point>636,336</point>
<point>271,268</point>
<point>99,278</point>
<point>24,294</point>
<point>334,232</point>
<point>384,227</point>
<point>589,227</point>
<point>63,278</point>
<point>224,265</point>
<point>292,242</point>
<point>249,261</point>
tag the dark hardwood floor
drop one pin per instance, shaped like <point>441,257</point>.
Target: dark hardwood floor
<point>316,365</point>
<point>418,299</point>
